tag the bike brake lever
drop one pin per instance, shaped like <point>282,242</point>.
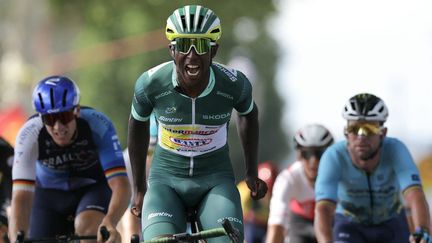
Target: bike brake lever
<point>20,237</point>
<point>232,232</point>
<point>105,233</point>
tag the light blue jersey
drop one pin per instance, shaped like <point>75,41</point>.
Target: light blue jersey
<point>365,198</point>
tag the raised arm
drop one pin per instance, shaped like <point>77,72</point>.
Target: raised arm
<point>248,130</point>
<point>138,142</point>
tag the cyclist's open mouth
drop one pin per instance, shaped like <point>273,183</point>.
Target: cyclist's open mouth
<point>192,70</point>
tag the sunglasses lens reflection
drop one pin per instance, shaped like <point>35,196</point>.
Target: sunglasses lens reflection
<point>364,129</point>
<point>201,45</point>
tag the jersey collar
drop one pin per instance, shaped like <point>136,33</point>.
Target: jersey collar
<point>206,91</point>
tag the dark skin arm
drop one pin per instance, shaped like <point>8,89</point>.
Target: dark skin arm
<point>138,142</point>
<point>248,130</point>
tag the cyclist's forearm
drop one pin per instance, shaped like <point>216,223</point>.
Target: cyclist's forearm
<point>324,215</point>
<point>138,142</point>
<point>120,198</point>
<point>20,213</point>
<point>416,201</point>
<point>248,130</point>
<point>275,234</point>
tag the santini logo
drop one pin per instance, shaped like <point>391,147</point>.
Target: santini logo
<point>225,95</point>
<point>159,214</point>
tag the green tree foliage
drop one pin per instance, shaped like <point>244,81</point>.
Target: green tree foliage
<point>108,86</point>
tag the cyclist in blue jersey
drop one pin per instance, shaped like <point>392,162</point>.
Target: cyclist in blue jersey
<point>361,179</point>
<point>192,98</point>
<point>68,174</point>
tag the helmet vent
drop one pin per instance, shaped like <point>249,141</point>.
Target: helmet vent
<point>41,101</point>
<point>183,20</point>
<point>301,135</point>
<point>215,31</point>
<point>64,98</point>
<point>324,136</point>
<point>200,21</point>
<point>52,98</point>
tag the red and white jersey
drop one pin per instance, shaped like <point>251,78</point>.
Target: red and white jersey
<point>291,192</point>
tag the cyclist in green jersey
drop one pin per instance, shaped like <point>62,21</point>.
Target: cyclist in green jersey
<point>192,98</point>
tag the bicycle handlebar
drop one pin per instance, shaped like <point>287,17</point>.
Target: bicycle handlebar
<point>62,238</point>
<point>228,229</point>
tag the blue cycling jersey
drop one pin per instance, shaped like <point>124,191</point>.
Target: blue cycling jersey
<point>93,157</point>
<point>367,198</point>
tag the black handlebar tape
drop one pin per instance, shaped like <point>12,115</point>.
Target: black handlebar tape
<point>105,233</point>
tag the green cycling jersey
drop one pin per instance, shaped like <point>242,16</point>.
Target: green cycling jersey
<point>192,132</point>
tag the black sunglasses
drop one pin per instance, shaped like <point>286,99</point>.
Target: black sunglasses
<point>63,117</point>
<point>309,153</point>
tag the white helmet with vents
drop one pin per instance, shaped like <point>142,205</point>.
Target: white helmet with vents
<point>313,135</point>
<point>366,107</point>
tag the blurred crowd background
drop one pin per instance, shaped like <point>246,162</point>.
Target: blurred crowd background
<point>305,58</point>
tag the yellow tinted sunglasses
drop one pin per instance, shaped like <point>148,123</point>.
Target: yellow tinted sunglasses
<point>201,45</point>
<point>365,129</point>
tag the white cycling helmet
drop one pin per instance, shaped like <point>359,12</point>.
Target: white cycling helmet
<point>366,107</point>
<point>313,135</point>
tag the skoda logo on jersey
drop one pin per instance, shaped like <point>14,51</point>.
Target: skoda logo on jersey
<point>170,110</point>
<point>163,94</point>
<point>216,116</point>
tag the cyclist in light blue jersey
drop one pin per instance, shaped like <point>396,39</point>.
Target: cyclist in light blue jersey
<point>360,181</point>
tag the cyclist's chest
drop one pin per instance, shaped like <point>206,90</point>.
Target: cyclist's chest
<point>208,110</point>
<point>80,155</point>
<point>382,182</point>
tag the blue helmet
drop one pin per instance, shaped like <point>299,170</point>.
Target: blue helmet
<point>55,94</point>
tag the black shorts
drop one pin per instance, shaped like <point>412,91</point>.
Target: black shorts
<point>54,210</point>
<point>394,230</point>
